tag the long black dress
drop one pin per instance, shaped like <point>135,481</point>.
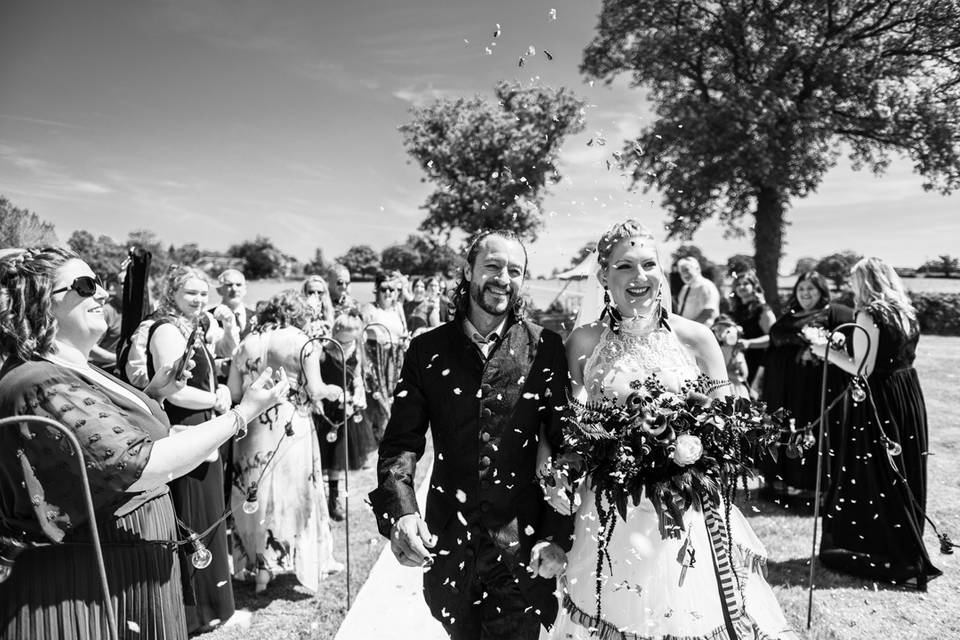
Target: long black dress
<point>199,501</point>
<point>794,383</point>
<point>872,525</point>
<point>748,317</point>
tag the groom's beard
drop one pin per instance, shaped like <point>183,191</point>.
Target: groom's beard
<point>477,296</point>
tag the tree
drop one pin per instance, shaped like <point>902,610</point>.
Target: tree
<point>261,258</point>
<point>740,263</point>
<point>104,255</point>
<point>491,161</point>
<point>754,101</point>
<point>401,257</point>
<point>187,254</point>
<point>318,266</point>
<point>582,253</point>
<point>805,264</point>
<point>362,261</point>
<point>20,228</point>
<point>836,267</point>
<point>435,256</point>
<point>948,265</point>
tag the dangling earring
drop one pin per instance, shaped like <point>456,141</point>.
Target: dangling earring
<point>611,311</point>
<point>661,310</point>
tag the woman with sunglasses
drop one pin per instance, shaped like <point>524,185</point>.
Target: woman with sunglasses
<point>50,317</point>
<point>181,325</point>
<point>385,345</point>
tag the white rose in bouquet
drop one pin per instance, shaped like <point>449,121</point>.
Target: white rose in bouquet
<point>688,449</point>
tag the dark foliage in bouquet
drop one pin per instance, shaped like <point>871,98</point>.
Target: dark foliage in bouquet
<point>671,447</point>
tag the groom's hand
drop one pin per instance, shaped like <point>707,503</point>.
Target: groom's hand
<point>546,560</point>
<point>411,540</point>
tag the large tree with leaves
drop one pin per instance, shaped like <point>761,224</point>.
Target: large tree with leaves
<point>491,160</point>
<point>23,228</point>
<point>755,101</point>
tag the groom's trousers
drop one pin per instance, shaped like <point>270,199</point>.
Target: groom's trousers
<point>494,608</point>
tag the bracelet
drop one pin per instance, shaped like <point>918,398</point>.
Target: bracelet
<point>240,423</point>
<point>716,383</point>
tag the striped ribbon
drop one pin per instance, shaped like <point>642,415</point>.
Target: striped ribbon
<point>728,581</point>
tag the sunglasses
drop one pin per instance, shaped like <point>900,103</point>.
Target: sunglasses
<point>343,282</point>
<point>388,289</point>
<point>85,286</point>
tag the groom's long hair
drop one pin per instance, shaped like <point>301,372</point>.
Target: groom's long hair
<point>460,300</point>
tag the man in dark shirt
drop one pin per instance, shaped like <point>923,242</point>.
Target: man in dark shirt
<point>488,384</point>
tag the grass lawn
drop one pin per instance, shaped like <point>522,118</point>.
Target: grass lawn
<point>844,608</point>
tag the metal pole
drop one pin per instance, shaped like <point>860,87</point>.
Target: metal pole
<point>346,447</point>
<point>88,498</point>
<point>824,413</point>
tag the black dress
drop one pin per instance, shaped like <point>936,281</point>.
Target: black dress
<point>748,317</point>
<point>794,383</point>
<point>199,501</point>
<point>361,440</point>
<point>873,522</point>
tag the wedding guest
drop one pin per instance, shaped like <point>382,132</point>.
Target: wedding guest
<point>278,461</point>
<point>749,309</point>
<point>317,293</point>
<point>422,312</point>
<point>793,379</point>
<point>385,345</point>
<point>347,330</point>
<point>729,335</point>
<point>486,520</point>
<point>50,318</point>
<point>699,299</point>
<point>198,496</point>
<point>874,512</point>
<point>338,279</point>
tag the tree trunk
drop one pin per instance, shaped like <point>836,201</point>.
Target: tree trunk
<point>768,242</point>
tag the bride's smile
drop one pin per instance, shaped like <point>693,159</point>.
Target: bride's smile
<point>633,277</point>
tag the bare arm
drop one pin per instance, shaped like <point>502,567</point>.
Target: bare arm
<point>702,343</point>
<point>861,352</point>
<point>180,452</point>
<point>166,346</point>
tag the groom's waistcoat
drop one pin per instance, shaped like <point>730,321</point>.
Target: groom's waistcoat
<point>485,417</point>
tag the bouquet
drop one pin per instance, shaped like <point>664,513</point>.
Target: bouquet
<point>674,448</point>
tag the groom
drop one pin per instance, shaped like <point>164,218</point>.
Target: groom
<point>487,384</point>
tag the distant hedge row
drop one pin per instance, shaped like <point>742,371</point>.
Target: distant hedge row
<point>939,313</point>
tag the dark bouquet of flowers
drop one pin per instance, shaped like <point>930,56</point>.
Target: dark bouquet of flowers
<point>672,447</point>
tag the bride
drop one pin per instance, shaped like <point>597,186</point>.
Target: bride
<point>643,591</point>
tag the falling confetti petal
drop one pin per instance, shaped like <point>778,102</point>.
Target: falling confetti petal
<point>531,51</point>
<point>520,63</point>
<point>553,14</point>
<point>488,51</point>
<point>461,496</point>
<point>133,626</point>
<point>548,54</point>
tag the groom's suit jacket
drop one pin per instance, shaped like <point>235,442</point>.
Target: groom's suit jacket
<point>485,416</point>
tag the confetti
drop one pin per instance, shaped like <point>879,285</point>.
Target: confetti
<point>520,63</point>
<point>553,14</point>
<point>461,496</point>
<point>531,51</point>
<point>497,31</point>
<point>548,54</point>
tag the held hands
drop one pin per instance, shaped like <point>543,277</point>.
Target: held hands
<point>410,541</point>
<point>267,390</point>
<point>165,382</point>
<point>547,560</point>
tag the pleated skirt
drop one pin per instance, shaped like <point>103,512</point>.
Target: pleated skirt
<point>54,592</point>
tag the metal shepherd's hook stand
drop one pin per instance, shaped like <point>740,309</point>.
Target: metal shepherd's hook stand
<point>91,512</point>
<point>346,446</point>
<point>824,413</point>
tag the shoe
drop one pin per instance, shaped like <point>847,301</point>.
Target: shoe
<point>264,576</point>
<point>335,509</point>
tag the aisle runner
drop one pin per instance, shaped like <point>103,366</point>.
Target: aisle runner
<point>390,604</point>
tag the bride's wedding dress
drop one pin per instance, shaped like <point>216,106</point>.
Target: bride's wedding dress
<point>640,588</point>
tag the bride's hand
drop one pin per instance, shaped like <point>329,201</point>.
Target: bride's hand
<point>547,560</point>
<point>559,492</point>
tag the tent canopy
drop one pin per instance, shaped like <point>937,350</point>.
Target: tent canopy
<point>582,270</point>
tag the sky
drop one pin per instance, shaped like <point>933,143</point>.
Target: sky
<point>213,121</point>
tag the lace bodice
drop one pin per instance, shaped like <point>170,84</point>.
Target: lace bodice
<point>620,358</point>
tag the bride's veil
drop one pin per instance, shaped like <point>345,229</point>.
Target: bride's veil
<point>591,305</point>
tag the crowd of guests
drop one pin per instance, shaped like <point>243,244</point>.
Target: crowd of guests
<point>873,476</point>
<point>208,407</point>
<point>224,429</point>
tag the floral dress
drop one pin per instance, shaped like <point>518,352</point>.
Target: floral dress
<point>280,455</point>
<point>641,592</point>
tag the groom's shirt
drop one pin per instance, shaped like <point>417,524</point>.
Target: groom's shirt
<point>485,343</point>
